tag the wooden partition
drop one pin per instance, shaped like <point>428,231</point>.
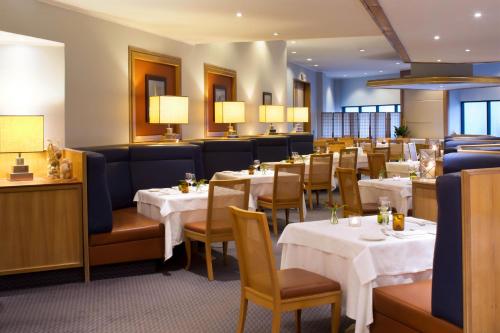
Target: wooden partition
<point>424,199</point>
<point>481,249</point>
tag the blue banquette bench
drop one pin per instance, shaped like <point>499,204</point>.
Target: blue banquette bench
<point>437,305</point>
<point>114,174</point>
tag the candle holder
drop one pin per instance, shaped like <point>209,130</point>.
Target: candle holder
<point>251,170</point>
<point>183,186</point>
<point>398,222</point>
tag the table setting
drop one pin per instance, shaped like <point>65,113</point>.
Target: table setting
<point>397,189</point>
<point>361,254</point>
<point>401,168</point>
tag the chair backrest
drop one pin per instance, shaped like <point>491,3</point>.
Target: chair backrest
<point>396,150</point>
<point>320,168</point>
<point>349,142</point>
<point>223,193</point>
<point>366,146</point>
<point>348,158</point>
<point>412,149</point>
<point>382,150</point>
<point>335,147</point>
<point>376,164</point>
<point>349,191</point>
<point>288,183</point>
<point>255,252</point>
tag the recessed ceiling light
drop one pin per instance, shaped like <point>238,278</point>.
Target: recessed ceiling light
<point>441,86</point>
<point>275,34</point>
<point>315,65</point>
<point>437,37</point>
<point>345,75</point>
<point>239,14</point>
<point>467,50</point>
<point>309,59</point>
<point>439,60</point>
<point>365,73</point>
<point>294,52</point>
<point>380,71</point>
<point>362,50</point>
<point>293,42</point>
<point>478,14</point>
<point>398,63</point>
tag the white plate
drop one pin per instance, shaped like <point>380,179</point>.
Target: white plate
<point>373,236</point>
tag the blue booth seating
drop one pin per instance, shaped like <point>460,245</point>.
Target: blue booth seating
<point>114,174</point>
<point>271,149</point>
<point>220,155</point>
<point>301,143</point>
<point>450,145</point>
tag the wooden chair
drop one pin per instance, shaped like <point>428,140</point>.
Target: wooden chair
<point>321,144</point>
<point>396,150</point>
<point>348,158</point>
<point>376,164</point>
<point>288,192</point>
<point>367,147</point>
<point>277,290</point>
<point>319,177</point>
<point>217,227</point>
<point>349,142</point>
<point>349,191</point>
<point>383,150</point>
<point>335,147</point>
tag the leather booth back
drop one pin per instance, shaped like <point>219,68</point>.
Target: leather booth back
<point>455,162</point>
<point>271,149</point>
<point>301,143</point>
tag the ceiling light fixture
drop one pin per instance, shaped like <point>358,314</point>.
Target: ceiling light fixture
<point>439,60</point>
<point>467,50</point>
<point>437,37</point>
<point>365,73</point>
<point>294,52</point>
<point>239,14</point>
<point>275,34</point>
<point>362,50</point>
<point>293,42</point>
<point>478,14</point>
<point>315,65</point>
<point>345,75</point>
<point>381,71</point>
<point>309,59</point>
<point>398,63</point>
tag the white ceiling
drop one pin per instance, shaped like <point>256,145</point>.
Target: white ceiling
<point>416,22</point>
<point>341,57</point>
<point>208,21</point>
<point>7,38</point>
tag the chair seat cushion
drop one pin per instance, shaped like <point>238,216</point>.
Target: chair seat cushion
<point>218,227</point>
<point>128,225</point>
<point>410,304</point>
<point>265,198</point>
<point>296,282</point>
<point>370,208</point>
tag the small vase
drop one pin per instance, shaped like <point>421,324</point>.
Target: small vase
<point>334,218</point>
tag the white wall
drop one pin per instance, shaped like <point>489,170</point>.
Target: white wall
<point>32,83</point>
<point>354,92</point>
<point>97,100</point>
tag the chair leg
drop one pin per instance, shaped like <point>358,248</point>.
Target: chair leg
<point>287,215</point>
<point>275,223</point>
<point>336,316</point>
<point>243,314</point>
<point>317,198</point>
<point>224,252</point>
<point>309,196</point>
<point>276,321</point>
<point>187,243</point>
<point>301,212</point>
<point>297,320</point>
<point>330,197</point>
<point>208,259</point>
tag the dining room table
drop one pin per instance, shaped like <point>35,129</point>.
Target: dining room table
<point>397,189</point>
<point>361,257</point>
<point>401,168</point>
<point>174,209</point>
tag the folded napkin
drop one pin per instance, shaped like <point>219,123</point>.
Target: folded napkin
<point>409,233</point>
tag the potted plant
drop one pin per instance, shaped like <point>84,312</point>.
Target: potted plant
<point>401,131</point>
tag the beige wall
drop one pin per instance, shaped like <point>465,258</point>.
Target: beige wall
<point>423,112</point>
<point>97,106</point>
<point>32,83</point>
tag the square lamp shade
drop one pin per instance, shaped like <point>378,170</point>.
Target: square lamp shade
<point>298,114</point>
<point>229,112</point>
<point>168,109</point>
<point>271,113</point>
<point>21,134</point>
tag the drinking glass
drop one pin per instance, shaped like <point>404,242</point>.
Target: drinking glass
<point>190,178</point>
<point>256,164</point>
<point>295,156</point>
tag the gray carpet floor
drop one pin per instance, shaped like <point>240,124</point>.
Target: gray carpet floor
<point>145,297</point>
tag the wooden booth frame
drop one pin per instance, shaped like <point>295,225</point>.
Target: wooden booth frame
<point>145,55</point>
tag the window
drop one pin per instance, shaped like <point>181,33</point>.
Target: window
<point>362,121</point>
<point>481,117</point>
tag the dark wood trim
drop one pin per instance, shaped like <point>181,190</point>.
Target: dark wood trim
<point>378,15</point>
<point>307,101</point>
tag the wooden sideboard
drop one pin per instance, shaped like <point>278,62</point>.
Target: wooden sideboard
<point>425,199</point>
<point>43,222</point>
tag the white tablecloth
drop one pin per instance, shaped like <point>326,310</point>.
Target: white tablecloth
<point>398,190</point>
<point>261,183</point>
<point>401,169</point>
<point>174,209</point>
<point>338,252</point>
